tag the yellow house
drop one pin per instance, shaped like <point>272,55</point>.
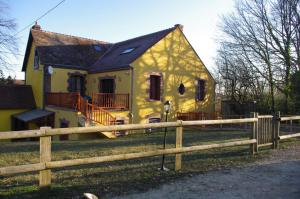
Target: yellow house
<point>116,83</point>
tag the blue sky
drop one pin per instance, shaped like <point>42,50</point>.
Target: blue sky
<point>117,20</point>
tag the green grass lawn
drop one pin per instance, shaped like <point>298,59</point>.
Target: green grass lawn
<point>115,178</point>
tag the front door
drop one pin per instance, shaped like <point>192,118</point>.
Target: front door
<point>107,86</point>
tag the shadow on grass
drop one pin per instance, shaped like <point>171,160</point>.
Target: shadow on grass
<point>120,178</point>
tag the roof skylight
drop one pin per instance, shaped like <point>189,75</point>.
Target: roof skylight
<point>128,50</point>
<point>97,47</point>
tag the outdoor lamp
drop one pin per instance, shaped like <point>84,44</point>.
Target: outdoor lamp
<point>167,106</point>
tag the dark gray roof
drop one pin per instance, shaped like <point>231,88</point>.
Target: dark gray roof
<point>114,59</point>
<point>16,97</point>
<point>60,49</point>
<point>32,115</point>
<point>80,53</point>
<point>74,56</point>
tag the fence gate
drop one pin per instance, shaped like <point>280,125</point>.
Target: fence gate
<point>265,130</point>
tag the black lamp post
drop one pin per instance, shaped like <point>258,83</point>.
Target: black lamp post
<point>167,107</point>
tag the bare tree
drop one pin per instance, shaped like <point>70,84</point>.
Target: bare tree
<point>239,81</point>
<point>8,45</point>
<point>263,39</point>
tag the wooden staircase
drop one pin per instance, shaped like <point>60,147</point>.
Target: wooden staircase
<point>93,115</point>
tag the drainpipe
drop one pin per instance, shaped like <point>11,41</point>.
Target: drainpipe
<point>43,86</point>
<point>131,93</point>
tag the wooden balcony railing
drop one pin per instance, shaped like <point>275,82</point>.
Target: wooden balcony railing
<point>99,115</point>
<point>111,100</point>
<point>65,100</point>
<point>75,101</point>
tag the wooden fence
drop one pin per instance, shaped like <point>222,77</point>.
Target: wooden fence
<point>45,165</point>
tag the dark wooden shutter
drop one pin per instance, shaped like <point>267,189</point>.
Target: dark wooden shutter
<point>155,84</point>
<point>76,83</point>
<point>200,95</point>
<point>107,86</point>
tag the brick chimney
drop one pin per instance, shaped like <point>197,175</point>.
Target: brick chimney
<point>36,26</point>
<point>179,26</point>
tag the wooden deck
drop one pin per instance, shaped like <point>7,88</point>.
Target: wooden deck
<point>95,109</point>
<point>102,100</point>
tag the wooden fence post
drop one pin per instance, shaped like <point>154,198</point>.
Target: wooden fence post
<point>178,144</point>
<point>276,130</point>
<point>45,156</point>
<point>254,134</point>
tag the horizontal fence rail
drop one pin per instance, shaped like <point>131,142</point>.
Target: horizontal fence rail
<point>45,133</point>
<point>290,118</point>
<point>93,129</point>
<point>282,137</point>
<point>110,158</point>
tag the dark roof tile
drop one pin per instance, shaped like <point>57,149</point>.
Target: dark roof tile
<point>60,49</point>
<point>114,58</point>
<point>95,56</point>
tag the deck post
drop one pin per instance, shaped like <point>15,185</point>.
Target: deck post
<point>276,130</point>
<point>78,102</point>
<point>92,116</point>
<point>178,144</point>
<point>254,134</point>
<point>45,156</point>
<point>86,109</point>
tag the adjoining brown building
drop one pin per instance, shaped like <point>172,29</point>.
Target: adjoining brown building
<point>17,109</point>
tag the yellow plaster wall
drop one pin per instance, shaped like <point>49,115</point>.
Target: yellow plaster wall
<point>122,81</point>
<point>176,59</point>
<point>35,78</point>
<point>5,118</point>
<point>68,115</point>
<point>59,79</point>
<point>61,113</point>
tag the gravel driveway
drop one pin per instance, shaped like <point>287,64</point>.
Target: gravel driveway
<point>278,176</point>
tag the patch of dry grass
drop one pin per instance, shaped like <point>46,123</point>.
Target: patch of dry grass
<point>107,179</point>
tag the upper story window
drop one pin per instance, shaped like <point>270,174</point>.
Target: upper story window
<point>107,85</point>
<point>155,87</point>
<point>200,90</point>
<point>36,60</point>
<point>77,84</point>
<point>128,50</point>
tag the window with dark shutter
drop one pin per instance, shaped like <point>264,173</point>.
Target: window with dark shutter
<point>200,95</point>
<point>77,83</point>
<point>155,82</point>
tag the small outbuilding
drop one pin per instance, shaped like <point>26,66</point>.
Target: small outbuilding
<point>17,109</point>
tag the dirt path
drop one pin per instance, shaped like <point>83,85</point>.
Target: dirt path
<point>277,176</point>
